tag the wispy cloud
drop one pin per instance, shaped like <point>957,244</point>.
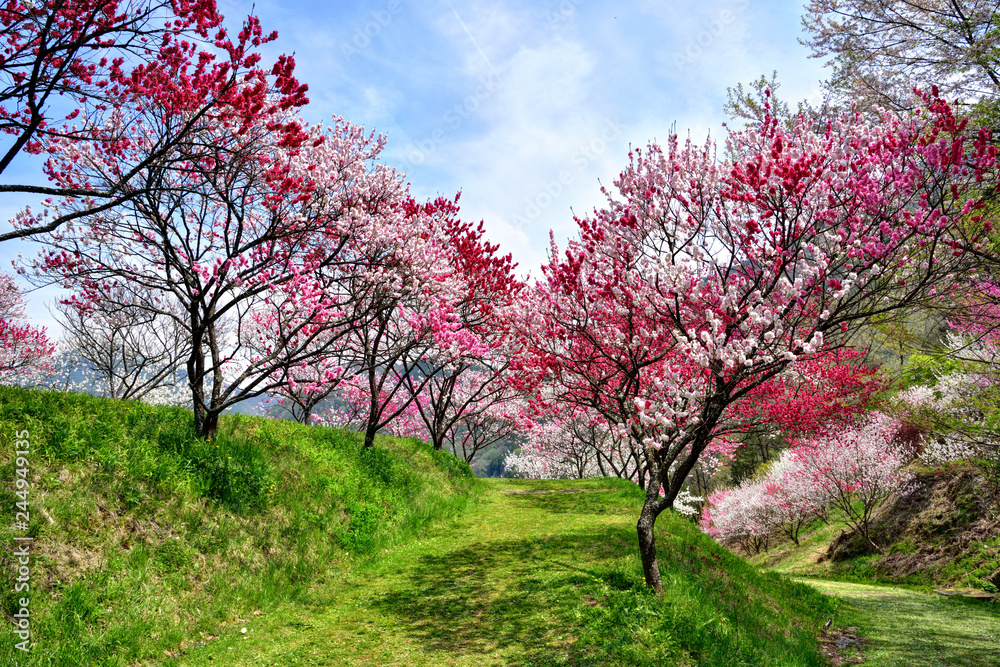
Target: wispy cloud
<point>527,106</point>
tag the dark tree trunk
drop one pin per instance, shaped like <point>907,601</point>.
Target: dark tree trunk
<point>209,425</point>
<point>651,508</point>
<point>370,432</point>
<point>437,440</point>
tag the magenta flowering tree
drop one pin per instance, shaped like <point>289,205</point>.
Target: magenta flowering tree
<point>77,78</point>
<point>24,349</point>
<point>702,279</point>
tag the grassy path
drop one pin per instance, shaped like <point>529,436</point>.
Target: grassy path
<point>534,573</point>
<point>912,629</point>
<point>500,585</point>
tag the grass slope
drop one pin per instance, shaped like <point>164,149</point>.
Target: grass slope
<point>148,538</point>
<point>940,531</point>
<point>539,573</point>
<point>904,628</point>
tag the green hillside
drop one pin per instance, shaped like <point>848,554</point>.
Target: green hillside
<point>146,536</point>
<point>154,547</point>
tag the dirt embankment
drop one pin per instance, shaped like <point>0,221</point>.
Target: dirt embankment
<point>943,528</point>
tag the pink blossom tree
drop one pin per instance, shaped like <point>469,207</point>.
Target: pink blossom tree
<point>560,446</point>
<point>471,409</point>
<point>430,291</point>
<point>469,403</point>
<point>794,494</point>
<point>857,469</point>
<point>744,515</point>
<point>237,237</point>
<point>703,279</point>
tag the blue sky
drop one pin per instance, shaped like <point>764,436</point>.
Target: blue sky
<point>525,107</point>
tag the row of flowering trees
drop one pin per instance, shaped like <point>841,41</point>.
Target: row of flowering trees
<point>711,297</point>
<point>200,222</point>
<point>853,471</point>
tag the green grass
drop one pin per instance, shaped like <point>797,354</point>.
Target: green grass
<point>947,540</point>
<point>539,579</point>
<point>790,559</point>
<point>155,547</point>
<point>905,628</point>
<point>147,537</point>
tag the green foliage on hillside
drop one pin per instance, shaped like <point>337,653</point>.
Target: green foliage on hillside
<point>147,535</point>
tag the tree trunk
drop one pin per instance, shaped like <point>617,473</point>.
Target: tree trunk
<point>370,431</point>
<point>647,538</point>
<point>208,426</point>
<point>437,440</point>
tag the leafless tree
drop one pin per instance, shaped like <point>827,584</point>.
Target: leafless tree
<point>131,349</point>
<point>881,49</point>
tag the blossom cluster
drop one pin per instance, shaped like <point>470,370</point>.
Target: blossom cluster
<point>854,471</point>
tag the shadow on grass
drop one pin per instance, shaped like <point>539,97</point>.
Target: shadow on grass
<point>585,502</point>
<point>518,595</point>
<point>576,597</point>
<point>931,640</point>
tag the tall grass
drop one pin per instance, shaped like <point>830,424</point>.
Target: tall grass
<point>716,608</point>
<point>147,536</point>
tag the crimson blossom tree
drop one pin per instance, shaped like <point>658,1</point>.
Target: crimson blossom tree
<point>704,279</point>
<point>469,402</point>
<point>82,73</point>
<point>23,347</point>
<point>816,393</point>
